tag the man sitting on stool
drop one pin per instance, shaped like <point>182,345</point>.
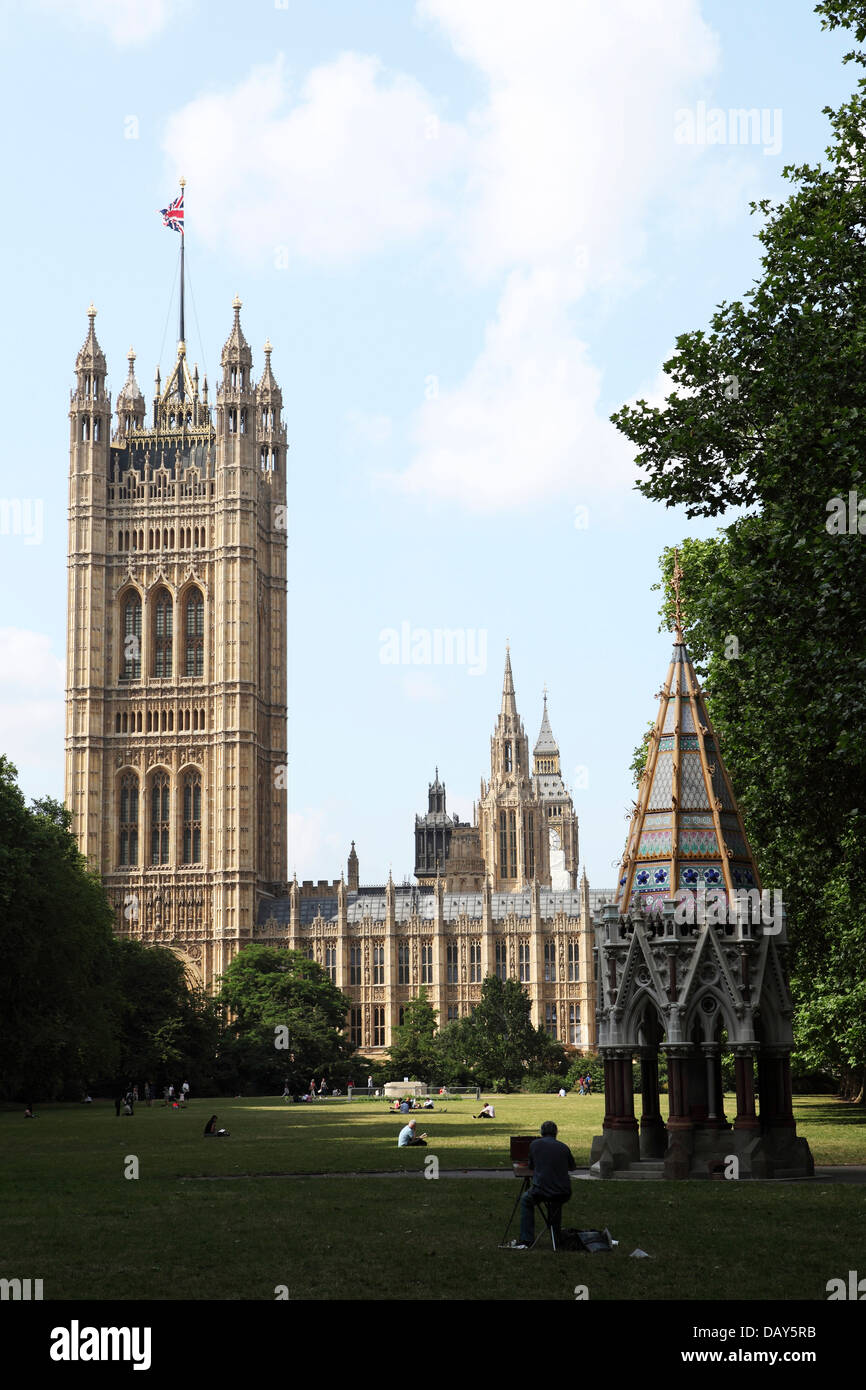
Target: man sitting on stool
<point>550,1162</point>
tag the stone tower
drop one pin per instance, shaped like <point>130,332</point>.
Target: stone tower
<point>433,835</point>
<point>176,649</point>
<point>557,807</point>
<point>514,838</point>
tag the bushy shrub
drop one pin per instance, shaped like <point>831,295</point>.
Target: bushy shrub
<point>545,1084</point>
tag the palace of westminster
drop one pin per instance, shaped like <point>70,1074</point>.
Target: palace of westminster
<point>176,732</point>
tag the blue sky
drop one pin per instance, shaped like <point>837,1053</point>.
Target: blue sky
<point>471,233</point>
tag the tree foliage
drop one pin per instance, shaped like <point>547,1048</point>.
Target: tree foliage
<point>502,1039</point>
<point>767,415</point>
<point>165,1026</point>
<point>266,989</point>
<point>414,1052</point>
<point>57,987</point>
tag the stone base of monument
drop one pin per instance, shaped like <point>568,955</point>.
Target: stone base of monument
<point>613,1150</point>
<point>698,1153</point>
<point>395,1089</point>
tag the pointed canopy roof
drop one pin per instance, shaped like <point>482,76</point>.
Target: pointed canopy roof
<point>236,348</point>
<point>130,390</point>
<point>180,385</point>
<point>509,704</point>
<point>268,384</point>
<point>90,354</point>
<point>545,743</point>
<point>686,830</point>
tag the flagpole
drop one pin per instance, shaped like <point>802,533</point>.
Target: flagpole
<point>182,247</point>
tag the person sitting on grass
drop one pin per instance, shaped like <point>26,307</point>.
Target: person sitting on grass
<point>211,1131</point>
<point>487,1113</point>
<point>408,1136</point>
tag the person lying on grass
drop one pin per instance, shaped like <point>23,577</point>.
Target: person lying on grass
<point>408,1136</point>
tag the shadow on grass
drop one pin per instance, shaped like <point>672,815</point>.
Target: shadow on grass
<point>835,1112</point>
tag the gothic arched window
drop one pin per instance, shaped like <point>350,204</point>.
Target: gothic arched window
<point>194,633</point>
<point>192,818</point>
<point>130,656</point>
<point>163,627</point>
<point>159,816</point>
<point>129,819</point>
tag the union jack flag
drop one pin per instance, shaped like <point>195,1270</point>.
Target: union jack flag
<point>172,216</point>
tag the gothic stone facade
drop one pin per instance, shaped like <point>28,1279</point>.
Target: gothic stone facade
<point>381,944</point>
<point>176,649</point>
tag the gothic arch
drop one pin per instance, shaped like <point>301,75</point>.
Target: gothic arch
<point>158,849</point>
<point>641,1003</point>
<point>129,607</point>
<point>190,815</point>
<point>162,604</point>
<point>192,627</point>
<point>695,1012</point>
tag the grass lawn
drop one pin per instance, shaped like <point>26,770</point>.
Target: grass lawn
<point>194,1226</point>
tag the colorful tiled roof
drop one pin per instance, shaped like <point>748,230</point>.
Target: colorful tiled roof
<point>686,830</point>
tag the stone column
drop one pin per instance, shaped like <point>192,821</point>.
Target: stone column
<point>678,1109</point>
<point>744,1069</point>
<point>774,1083</point>
<point>715,1116</point>
<point>537,990</point>
<point>390,944</point>
<point>652,1129</point>
<point>619,1091</point>
<point>438,995</point>
<point>488,944</point>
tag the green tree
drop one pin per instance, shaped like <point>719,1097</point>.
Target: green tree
<point>287,1017</point>
<point>57,989</point>
<point>164,1025</point>
<point>455,1051</point>
<point>413,1052</point>
<point>502,1039</point>
<point>766,415</point>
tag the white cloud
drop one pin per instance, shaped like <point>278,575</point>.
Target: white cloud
<point>127,21</point>
<point>571,148</point>
<point>347,167</point>
<point>577,128</point>
<point>545,191</point>
<point>523,424</point>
